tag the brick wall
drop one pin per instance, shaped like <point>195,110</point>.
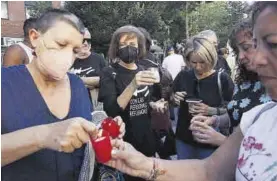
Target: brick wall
<point>13,27</point>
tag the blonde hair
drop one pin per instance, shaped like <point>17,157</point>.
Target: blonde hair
<point>203,48</point>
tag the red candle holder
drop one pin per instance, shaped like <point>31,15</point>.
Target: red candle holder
<point>111,126</point>
<point>103,148</point>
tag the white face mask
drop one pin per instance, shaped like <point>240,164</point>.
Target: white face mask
<point>54,64</point>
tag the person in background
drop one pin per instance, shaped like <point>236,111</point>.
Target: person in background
<point>200,82</point>
<point>248,92</point>
<point>149,59</point>
<point>231,60</point>
<point>250,153</point>
<point>21,53</point>
<point>88,66</point>
<point>161,92</point>
<point>173,62</point>
<point>46,117</point>
<point>125,89</point>
<point>221,64</point>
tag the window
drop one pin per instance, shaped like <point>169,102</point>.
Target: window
<point>4,10</point>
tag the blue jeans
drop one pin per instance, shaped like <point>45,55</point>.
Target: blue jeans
<point>187,151</point>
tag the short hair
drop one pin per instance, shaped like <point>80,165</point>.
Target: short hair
<point>148,40</point>
<point>28,25</point>
<point>129,30</point>
<point>259,6</point>
<point>202,47</point>
<point>50,17</point>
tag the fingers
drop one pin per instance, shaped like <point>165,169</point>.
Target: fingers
<point>66,146</point>
<point>89,127</point>
<point>199,126</point>
<point>120,122</point>
<point>83,136</point>
<point>199,118</point>
<point>180,95</point>
<point>199,135</point>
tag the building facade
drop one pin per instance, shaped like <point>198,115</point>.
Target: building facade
<point>13,15</point>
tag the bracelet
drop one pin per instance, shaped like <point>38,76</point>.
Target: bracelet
<point>155,172</point>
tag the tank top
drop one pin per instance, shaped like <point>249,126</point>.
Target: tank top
<point>27,50</point>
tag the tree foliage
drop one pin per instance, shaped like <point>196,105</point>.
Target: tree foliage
<point>219,16</point>
<point>36,8</point>
<point>165,20</point>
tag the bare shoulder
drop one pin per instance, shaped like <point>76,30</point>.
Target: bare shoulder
<point>14,55</point>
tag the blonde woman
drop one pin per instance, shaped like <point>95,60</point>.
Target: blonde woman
<point>200,82</point>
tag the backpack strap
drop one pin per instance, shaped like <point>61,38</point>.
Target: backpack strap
<point>220,87</point>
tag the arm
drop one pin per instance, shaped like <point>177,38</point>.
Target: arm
<point>91,82</point>
<point>19,144</point>
<point>113,104</point>
<point>13,56</point>
<point>221,165</point>
<point>63,136</point>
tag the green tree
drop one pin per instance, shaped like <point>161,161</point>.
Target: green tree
<point>219,16</point>
<point>36,8</point>
<point>103,18</point>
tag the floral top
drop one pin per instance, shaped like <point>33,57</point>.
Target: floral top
<point>257,159</point>
<point>246,96</point>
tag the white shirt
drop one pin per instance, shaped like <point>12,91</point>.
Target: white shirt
<point>28,51</point>
<point>258,152</point>
<point>174,63</point>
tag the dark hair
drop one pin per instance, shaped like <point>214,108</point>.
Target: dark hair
<point>28,25</point>
<point>130,30</point>
<point>259,6</point>
<point>49,18</point>
<point>242,74</point>
<point>147,37</point>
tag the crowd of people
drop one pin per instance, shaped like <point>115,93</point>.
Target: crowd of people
<point>53,81</point>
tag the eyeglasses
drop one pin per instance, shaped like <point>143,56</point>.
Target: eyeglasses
<point>87,39</point>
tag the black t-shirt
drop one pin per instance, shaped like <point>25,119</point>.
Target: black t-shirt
<point>88,67</point>
<point>113,81</point>
<point>205,89</point>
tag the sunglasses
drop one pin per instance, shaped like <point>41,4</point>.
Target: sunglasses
<point>87,39</point>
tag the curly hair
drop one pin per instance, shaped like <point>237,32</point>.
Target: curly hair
<point>242,74</point>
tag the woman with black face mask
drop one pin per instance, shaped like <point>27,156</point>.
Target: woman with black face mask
<point>125,89</point>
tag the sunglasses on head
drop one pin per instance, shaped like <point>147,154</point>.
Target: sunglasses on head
<point>87,39</point>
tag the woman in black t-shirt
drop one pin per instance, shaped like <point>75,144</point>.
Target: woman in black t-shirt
<point>200,82</point>
<point>125,89</point>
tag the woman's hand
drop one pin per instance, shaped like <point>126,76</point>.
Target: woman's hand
<point>68,135</point>
<point>178,97</point>
<point>160,106</point>
<point>121,124</point>
<point>203,133</point>
<point>144,78</point>
<point>127,159</point>
<point>210,121</point>
<point>198,108</point>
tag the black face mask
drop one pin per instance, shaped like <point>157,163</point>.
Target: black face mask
<point>128,54</point>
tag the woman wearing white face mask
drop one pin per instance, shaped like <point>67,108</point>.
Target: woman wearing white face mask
<point>45,111</point>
